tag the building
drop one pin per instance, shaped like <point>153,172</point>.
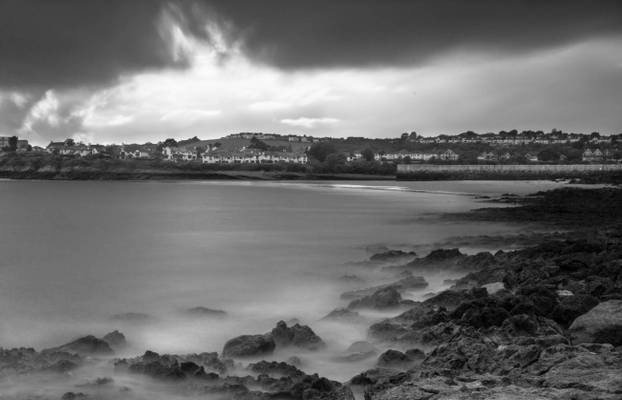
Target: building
<point>595,155</point>
<point>487,156</point>
<point>133,151</point>
<point>448,155</point>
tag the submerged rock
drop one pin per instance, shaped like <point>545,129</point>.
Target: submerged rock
<point>249,346</point>
<point>602,324</point>
<point>297,335</point>
<point>393,255</point>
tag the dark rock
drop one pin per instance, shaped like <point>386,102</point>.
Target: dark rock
<point>443,255</point>
<point>394,359</point>
<point>393,255</point>
<point>74,396</point>
<point>415,354</point>
<point>408,282</point>
<point>297,335</point>
<point>87,345</point>
<point>383,298</point>
<point>115,339</point>
<point>570,307</point>
<point>341,314</point>
<point>275,368</point>
<point>249,346</point>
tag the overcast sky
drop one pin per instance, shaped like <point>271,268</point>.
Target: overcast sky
<point>137,70</point>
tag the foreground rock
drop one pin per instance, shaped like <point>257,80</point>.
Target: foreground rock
<point>602,324</point>
<point>249,346</point>
<point>27,360</point>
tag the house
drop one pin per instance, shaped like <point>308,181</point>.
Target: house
<point>448,155</point>
<point>590,155</point>
<point>55,147</point>
<point>487,156</point>
<point>129,151</point>
<point>176,154</point>
<point>531,157</point>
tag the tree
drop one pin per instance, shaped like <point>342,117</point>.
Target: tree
<point>169,143</point>
<point>368,154</point>
<point>258,144</point>
<point>69,142</point>
<point>13,143</point>
<point>321,150</point>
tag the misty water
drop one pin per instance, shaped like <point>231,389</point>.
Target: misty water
<point>75,254</point>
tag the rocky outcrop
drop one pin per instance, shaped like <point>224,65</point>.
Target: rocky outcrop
<point>115,339</point>
<point>297,335</point>
<point>602,324</point>
<point>393,256</point>
<point>27,360</point>
<point>408,282</point>
<point>249,346</point>
<point>87,345</point>
<point>384,298</point>
<point>342,314</point>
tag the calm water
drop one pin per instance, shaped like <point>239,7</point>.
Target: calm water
<point>74,253</point>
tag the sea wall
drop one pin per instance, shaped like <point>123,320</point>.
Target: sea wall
<point>509,172</point>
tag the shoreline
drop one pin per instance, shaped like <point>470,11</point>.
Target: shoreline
<point>505,328</point>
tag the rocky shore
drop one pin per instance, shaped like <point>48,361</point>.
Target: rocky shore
<point>540,322</point>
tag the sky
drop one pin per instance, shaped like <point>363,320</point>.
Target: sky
<point>125,71</point>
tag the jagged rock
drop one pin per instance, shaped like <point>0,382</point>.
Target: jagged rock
<point>406,326</point>
<point>297,335</point>
<point>164,367</point>
<point>602,324</point>
<point>249,346</point>
<point>205,312</point>
<point>275,368</point>
<point>115,339</point>
<point>87,345</point>
<point>443,254</point>
<point>383,298</point>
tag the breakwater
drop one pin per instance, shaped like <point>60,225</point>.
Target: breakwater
<point>509,172</point>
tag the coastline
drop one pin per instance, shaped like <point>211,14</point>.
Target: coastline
<point>504,330</point>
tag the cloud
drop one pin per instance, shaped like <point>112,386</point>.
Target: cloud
<point>357,33</point>
<point>305,122</point>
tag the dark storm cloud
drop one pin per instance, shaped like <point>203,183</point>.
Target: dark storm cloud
<point>75,42</point>
<point>320,33</point>
<point>61,43</point>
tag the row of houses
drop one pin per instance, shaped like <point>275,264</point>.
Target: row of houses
<point>499,140</point>
<point>447,155</point>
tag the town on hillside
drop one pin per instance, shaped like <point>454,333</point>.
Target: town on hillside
<point>504,147</point>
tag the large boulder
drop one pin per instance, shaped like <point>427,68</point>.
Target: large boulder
<point>115,339</point>
<point>570,307</point>
<point>249,346</point>
<point>297,335</point>
<point>602,324</point>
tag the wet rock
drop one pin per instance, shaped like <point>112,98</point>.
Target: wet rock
<point>357,351</point>
<point>450,299</point>
<point>249,346</point>
<point>297,335</point>
<point>408,325</point>
<point>74,396</point>
<point>480,313</point>
<point>115,339</point>
<point>415,354</point>
<point>87,345</point>
<point>602,324</point>
<point>205,312</point>
<point>407,282</point>
<point>383,298</point>
<point>164,367</point>
<point>443,255</point>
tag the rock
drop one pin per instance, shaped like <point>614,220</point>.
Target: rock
<point>342,314</point>
<point>415,354</point>
<point>87,345</point>
<point>394,359</point>
<point>443,255</point>
<point>494,287</point>
<point>409,325</point>
<point>383,298</point>
<point>205,312</point>
<point>297,335</point>
<point>166,367</point>
<point>115,339</point>
<point>357,351</point>
<point>480,313</point>
<point>570,307</point>
<point>393,255</point>
<point>275,368</point>
<point>249,346</point>
<point>74,396</point>
<point>564,293</point>
<point>602,324</point>
<point>408,282</point>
